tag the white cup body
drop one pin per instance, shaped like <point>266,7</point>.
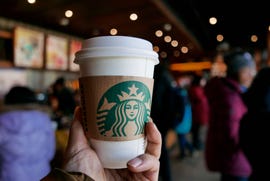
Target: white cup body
<point>118,66</point>
<point>117,56</point>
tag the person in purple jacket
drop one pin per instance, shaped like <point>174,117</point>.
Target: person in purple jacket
<point>222,152</point>
<point>27,141</point>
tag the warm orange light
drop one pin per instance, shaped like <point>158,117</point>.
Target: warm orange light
<point>184,49</point>
<point>113,31</point>
<point>159,33</point>
<point>212,20</point>
<point>69,13</point>
<point>174,43</point>
<point>133,17</point>
<point>168,39</point>
<point>31,1</point>
<point>220,38</point>
<point>156,48</point>
<point>190,66</point>
<point>254,38</point>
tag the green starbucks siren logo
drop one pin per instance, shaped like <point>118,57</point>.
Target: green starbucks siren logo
<point>124,106</point>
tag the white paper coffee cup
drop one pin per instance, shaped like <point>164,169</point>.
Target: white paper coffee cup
<point>116,85</point>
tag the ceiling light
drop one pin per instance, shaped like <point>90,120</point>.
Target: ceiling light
<point>133,17</point>
<point>113,31</point>
<point>167,27</point>
<point>64,22</point>
<point>254,38</point>
<point>156,48</point>
<point>212,20</point>
<point>31,1</point>
<point>95,32</point>
<point>184,49</point>
<point>220,38</point>
<point>174,43</point>
<point>167,39</point>
<point>224,46</point>
<point>68,13</point>
<point>176,53</point>
<point>159,33</point>
<point>163,54</point>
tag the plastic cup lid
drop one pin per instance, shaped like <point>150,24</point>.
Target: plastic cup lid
<point>116,46</point>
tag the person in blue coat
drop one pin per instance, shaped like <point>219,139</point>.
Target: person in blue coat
<point>183,127</point>
<point>27,141</point>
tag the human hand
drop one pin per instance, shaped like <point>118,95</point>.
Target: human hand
<point>80,157</point>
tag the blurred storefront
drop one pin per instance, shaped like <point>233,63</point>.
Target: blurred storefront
<point>35,57</point>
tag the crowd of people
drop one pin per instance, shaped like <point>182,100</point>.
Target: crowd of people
<point>233,109</point>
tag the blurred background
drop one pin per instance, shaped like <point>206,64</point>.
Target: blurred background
<point>38,41</point>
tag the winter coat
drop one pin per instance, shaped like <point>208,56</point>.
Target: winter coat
<point>254,127</point>
<point>254,134</point>
<point>199,104</point>
<point>27,143</point>
<point>163,111</point>
<point>222,152</point>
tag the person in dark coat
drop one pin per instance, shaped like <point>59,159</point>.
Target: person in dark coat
<point>65,101</point>
<point>254,127</point>
<point>163,113</point>
<point>65,97</point>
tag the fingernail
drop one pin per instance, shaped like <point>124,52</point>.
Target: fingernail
<point>135,162</point>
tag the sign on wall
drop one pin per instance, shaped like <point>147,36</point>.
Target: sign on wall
<point>56,53</point>
<point>28,48</point>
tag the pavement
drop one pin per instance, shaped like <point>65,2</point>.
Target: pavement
<point>191,168</point>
